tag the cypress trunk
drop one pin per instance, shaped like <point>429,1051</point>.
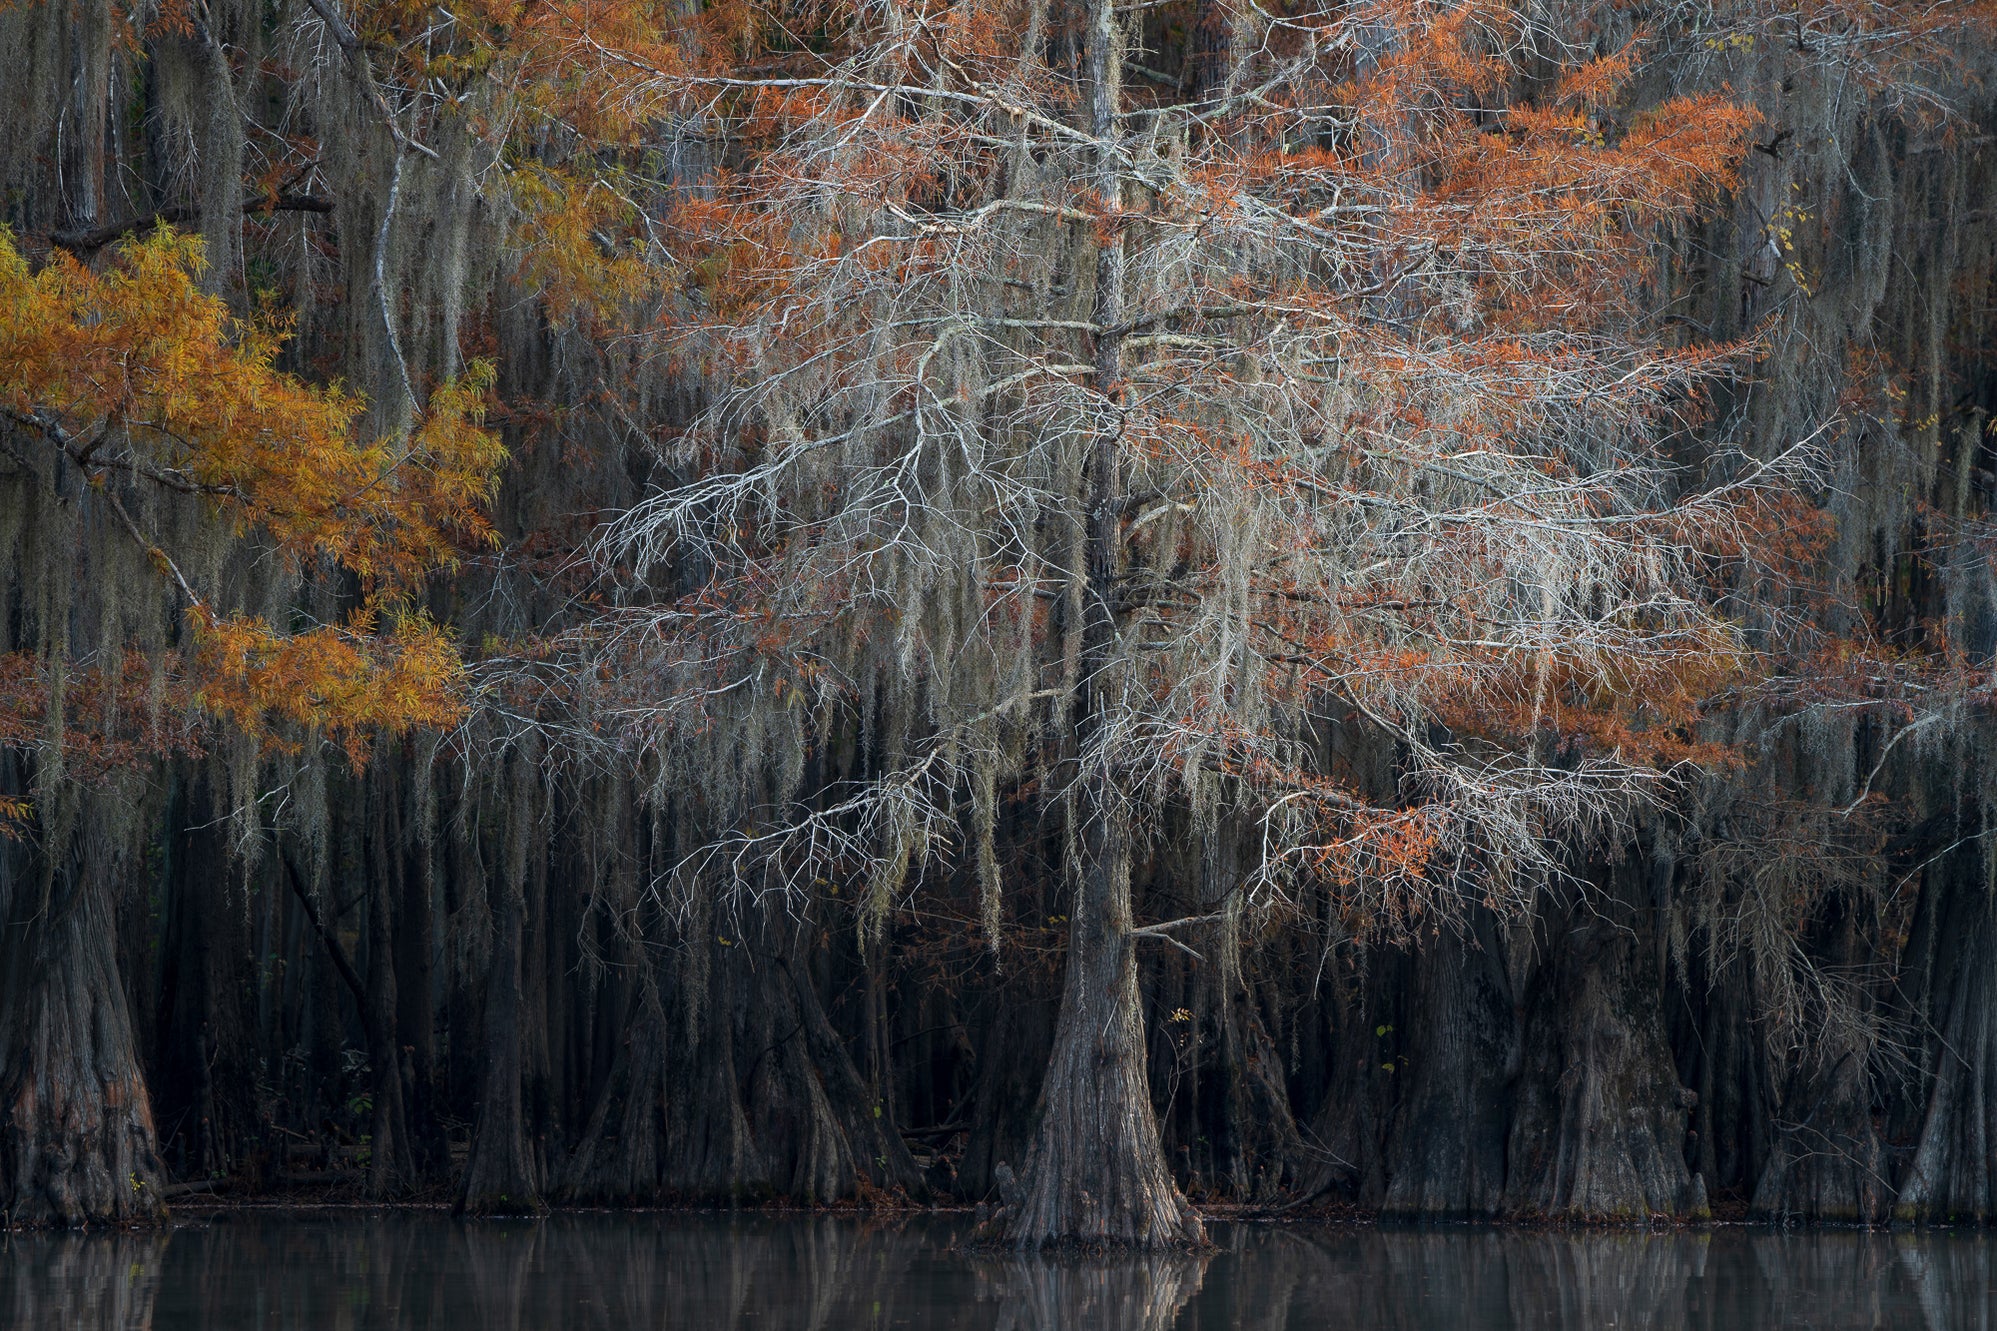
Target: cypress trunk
<point>1729,1142</point>
<point>1096,1174</point>
<point>1365,1025</point>
<point>413,949</point>
<point>1446,1154</point>
<point>1950,1178</point>
<point>201,1062</point>
<point>1012,1048</point>
<point>391,1165</point>
<point>1599,1127</point>
<point>1827,1161</point>
<point>77,1144</point>
<point>1261,1154</point>
<point>864,1113</point>
<point>756,1096</point>
<point>500,1177</point>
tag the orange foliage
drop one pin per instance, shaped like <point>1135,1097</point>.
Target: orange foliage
<point>349,682</point>
<point>136,371</point>
<point>114,718</point>
<point>1466,260</point>
<point>1417,204</point>
<point>138,379</point>
<point>568,256</point>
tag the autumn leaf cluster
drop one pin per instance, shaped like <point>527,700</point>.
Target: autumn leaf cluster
<point>143,382</point>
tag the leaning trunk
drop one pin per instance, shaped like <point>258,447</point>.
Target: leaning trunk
<point>866,1122</point>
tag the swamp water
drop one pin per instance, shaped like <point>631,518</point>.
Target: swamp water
<point>391,1271</point>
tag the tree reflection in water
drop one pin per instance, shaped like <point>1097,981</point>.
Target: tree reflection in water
<point>404,1271</point>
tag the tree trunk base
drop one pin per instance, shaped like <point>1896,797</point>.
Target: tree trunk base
<point>1446,1156</point>
<point>1096,1177</point>
<point>1599,1130</point>
<point>501,1177</point>
<point>1951,1178</point>
<point>758,1100</point>
<point>77,1145</point>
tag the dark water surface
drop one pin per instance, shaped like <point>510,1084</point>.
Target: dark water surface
<point>357,1271</point>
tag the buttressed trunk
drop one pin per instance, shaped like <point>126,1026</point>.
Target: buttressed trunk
<point>1950,1178</point>
<point>1598,1131</point>
<point>1096,1175</point>
<point>500,1176</point>
<point>733,1085</point>
<point>1827,1161</point>
<point>1446,1154</point>
<point>76,1127</point>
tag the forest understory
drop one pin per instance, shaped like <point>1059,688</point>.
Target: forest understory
<point>1107,612</point>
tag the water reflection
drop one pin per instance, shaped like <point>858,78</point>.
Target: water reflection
<point>403,1271</point>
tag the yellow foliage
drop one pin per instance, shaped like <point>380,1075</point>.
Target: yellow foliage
<point>348,682</point>
<point>566,240</point>
<point>138,378</point>
<point>137,370</point>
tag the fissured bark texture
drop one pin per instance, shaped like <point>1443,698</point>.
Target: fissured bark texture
<point>1446,1154</point>
<point>1950,1178</point>
<point>1598,1129</point>
<point>501,1177</point>
<point>1827,1161</point>
<point>756,1097</point>
<point>1096,1175</point>
<point>77,1144</point>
